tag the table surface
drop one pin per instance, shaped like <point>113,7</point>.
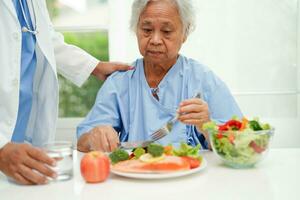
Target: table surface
<point>276,177</point>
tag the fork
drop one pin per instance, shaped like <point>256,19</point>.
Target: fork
<point>167,128</point>
<point>160,133</point>
<point>153,137</point>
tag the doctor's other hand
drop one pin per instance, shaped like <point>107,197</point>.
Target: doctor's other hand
<point>104,69</point>
<point>101,138</point>
<point>26,164</point>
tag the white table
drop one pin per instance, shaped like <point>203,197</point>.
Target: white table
<point>277,177</point>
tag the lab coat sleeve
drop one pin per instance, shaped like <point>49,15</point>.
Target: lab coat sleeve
<point>3,140</point>
<point>72,62</point>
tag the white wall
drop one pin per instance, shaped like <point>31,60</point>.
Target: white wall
<point>66,129</point>
<point>298,56</point>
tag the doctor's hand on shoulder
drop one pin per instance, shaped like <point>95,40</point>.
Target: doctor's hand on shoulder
<point>26,164</point>
<point>104,69</point>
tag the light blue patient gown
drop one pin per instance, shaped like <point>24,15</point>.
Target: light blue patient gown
<point>125,102</point>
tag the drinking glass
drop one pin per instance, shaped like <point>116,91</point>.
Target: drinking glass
<point>62,152</point>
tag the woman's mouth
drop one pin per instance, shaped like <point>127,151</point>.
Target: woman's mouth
<point>155,53</point>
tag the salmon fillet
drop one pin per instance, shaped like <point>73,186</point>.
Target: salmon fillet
<point>168,164</point>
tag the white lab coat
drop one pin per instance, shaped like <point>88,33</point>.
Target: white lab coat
<point>52,55</point>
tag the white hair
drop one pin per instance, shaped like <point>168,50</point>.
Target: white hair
<point>184,7</point>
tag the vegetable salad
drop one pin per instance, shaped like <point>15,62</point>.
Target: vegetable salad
<point>240,143</point>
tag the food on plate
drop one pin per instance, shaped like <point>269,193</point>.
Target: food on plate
<point>118,155</point>
<point>155,150</point>
<point>193,162</point>
<point>168,150</point>
<point>165,164</point>
<point>187,150</point>
<point>94,167</point>
<point>138,152</point>
<point>240,143</point>
<point>157,158</point>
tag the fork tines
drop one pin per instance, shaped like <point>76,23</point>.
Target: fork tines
<point>160,133</point>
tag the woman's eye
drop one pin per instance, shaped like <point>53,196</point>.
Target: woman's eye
<point>147,30</point>
<point>166,32</point>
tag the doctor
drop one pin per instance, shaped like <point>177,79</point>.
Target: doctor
<point>31,53</point>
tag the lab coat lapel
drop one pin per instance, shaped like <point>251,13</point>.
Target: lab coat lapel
<point>45,33</point>
<point>9,4</point>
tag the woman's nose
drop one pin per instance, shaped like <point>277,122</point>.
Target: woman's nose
<point>156,39</point>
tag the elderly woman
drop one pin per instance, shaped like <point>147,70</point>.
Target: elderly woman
<point>131,105</point>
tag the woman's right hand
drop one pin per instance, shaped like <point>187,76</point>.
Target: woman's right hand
<point>101,138</point>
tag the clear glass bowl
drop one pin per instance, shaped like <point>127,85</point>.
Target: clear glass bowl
<point>241,149</point>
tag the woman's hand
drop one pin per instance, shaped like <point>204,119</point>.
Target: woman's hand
<point>101,138</point>
<point>195,112</point>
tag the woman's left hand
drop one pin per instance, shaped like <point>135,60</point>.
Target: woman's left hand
<point>194,111</point>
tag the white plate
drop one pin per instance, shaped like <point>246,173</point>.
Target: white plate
<point>161,175</point>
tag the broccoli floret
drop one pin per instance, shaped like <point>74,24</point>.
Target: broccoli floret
<point>155,150</point>
<point>118,155</point>
<point>138,152</point>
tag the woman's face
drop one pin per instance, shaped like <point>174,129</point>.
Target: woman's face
<point>160,33</point>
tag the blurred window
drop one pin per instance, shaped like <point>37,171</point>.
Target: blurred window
<point>84,23</point>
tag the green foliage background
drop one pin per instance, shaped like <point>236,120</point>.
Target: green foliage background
<point>74,101</point>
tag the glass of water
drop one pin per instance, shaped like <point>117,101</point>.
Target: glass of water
<point>62,152</point>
